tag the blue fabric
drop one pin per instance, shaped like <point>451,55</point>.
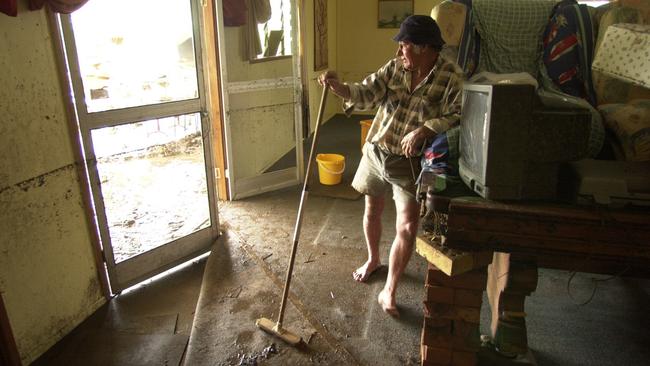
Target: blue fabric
<point>441,155</point>
<point>470,44</point>
<point>569,48</point>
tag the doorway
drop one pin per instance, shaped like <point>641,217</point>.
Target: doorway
<point>136,69</point>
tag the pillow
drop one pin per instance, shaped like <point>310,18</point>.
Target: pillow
<point>450,17</point>
<point>630,123</point>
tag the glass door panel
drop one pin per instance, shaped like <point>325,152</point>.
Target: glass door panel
<point>109,35</point>
<point>153,182</point>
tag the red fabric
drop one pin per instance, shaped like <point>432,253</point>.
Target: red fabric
<point>234,13</point>
<point>8,7</point>
<point>59,6</point>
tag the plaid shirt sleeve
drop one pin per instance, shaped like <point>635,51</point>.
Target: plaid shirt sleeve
<point>370,93</point>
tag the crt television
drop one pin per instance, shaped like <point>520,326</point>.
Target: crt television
<point>511,146</point>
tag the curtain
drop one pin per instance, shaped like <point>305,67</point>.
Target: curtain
<point>59,6</point>
<point>8,7</point>
<point>234,13</point>
<point>260,13</point>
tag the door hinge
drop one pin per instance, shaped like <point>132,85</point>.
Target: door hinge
<point>217,173</point>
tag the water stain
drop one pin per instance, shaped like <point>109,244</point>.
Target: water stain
<point>244,337</point>
<point>241,305</point>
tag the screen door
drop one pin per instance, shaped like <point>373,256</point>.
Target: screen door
<point>136,71</point>
<point>262,98</point>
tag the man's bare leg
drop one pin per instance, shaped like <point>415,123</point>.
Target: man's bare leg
<point>372,231</point>
<point>406,225</point>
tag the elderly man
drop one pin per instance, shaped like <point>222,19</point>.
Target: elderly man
<point>417,95</point>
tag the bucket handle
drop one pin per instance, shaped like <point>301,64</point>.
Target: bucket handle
<point>330,171</point>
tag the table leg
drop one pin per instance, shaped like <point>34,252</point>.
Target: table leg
<point>510,279</point>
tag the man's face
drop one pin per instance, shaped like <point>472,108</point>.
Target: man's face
<point>410,54</point>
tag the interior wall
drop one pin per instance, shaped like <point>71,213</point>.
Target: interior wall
<point>362,47</point>
<point>315,91</point>
<point>48,277</point>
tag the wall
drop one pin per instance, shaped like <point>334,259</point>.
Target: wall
<point>48,276</point>
<point>315,91</point>
<point>356,46</point>
<point>362,47</point>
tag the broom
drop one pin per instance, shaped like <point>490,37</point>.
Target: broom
<point>267,325</point>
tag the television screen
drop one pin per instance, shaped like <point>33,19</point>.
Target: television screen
<point>474,131</point>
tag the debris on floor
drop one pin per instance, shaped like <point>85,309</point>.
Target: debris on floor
<point>251,359</point>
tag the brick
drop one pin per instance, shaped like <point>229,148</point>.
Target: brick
<point>439,294</point>
<point>473,280</point>
<point>449,341</point>
<point>439,326</point>
<point>433,355</point>
<point>432,339</point>
<point>448,295</point>
<point>472,298</point>
<point>466,330</point>
<point>459,358</point>
<point>454,312</point>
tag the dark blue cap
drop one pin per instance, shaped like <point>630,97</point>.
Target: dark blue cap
<point>420,30</point>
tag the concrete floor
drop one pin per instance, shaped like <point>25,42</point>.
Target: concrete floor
<point>338,318</point>
<point>147,325</point>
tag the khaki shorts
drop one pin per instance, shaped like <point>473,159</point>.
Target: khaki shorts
<point>378,171</point>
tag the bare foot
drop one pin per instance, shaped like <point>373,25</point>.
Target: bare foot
<point>387,303</point>
<point>363,273</point>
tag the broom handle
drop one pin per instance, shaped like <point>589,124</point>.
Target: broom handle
<point>303,198</point>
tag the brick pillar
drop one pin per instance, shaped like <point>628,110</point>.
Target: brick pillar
<point>452,313</point>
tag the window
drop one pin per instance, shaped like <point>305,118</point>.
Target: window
<point>274,36</point>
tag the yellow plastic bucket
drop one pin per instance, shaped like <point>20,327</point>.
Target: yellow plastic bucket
<point>365,126</point>
<point>330,168</point>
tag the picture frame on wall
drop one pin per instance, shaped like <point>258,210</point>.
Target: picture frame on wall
<point>320,35</point>
<point>391,13</point>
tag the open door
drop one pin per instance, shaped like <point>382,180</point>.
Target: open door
<point>261,94</point>
<point>136,70</point>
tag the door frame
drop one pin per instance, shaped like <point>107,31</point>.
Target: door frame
<point>198,242</point>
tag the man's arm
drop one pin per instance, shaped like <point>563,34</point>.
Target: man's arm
<point>331,80</point>
<point>413,142</point>
<point>363,96</point>
<point>450,109</point>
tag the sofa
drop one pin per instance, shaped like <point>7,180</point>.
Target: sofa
<point>622,105</point>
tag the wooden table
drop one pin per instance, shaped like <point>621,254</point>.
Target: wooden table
<point>525,236</point>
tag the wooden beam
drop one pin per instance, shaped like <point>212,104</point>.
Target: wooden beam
<point>550,229</point>
<point>450,261</point>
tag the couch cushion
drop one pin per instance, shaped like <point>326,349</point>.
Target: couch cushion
<point>510,33</point>
<point>616,15</point>
<point>630,123</point>
<point>625,53</point>
<point>450,17</point>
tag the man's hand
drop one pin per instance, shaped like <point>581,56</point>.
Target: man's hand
<point>331,80</point>
<point>413,141</point>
